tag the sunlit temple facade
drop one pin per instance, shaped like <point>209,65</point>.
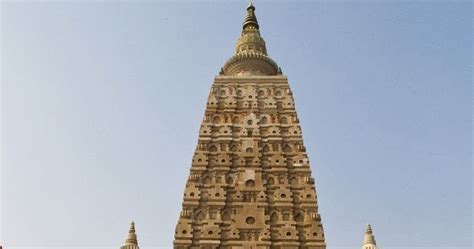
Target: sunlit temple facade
<point>250,184</point>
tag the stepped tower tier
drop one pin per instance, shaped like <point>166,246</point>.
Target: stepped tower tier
<point>250,183</point>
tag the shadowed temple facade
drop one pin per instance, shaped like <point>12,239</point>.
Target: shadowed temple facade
<point>250,184</point>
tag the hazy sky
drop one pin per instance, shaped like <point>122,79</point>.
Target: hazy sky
<point>102,101</point>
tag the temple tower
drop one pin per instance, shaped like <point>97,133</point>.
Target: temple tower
<point>369,239</point>
<point>250,183</point>
<point>131,242</point>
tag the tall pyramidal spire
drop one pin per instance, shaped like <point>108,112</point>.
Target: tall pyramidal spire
<point>369,239</point>
<point>250,183</point>
<point>131,242</point>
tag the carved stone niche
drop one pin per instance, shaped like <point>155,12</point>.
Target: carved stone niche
<point>266,149</point>
<point>250,180</point>
<point>249,93</point>
<point>212,101</point>
<point>277,160</point>
<point>293,180</point>
<point>230,180</point>
<point>282,195</point>
<point>250,217</point>
<point>308,195</point>
<point>287,148</point>
<point>273,131</point>
<point>243,132</point>
<point>278,92</point>
<point>205,130</point>
<point>230,102</point>
<point>184,229</point>
<point>264,235</point>
<point>288,102</point>
<point>300,161</point>
<point>226,214</point>
<point>313,233</point>
<point>207,179</point>
<point>217,194</point>
<point>264,119</point>
<point>192,192</point>
<point>249,104</point>
<point>251,161</point>
<point>294,131</point>
<point>274,217</point>
<point>218,119</point>
<point>200,159</point>
<point>227,92</point>
<point>249,147</point>
<point>262,197</point>
<point>250,121</point>
<point>240,161</point>
<point>225,131</point>
<point>284,120</point>
<point>299,216</point>
<point>223,159</point>
<point>213,148</point>
<point>234,147</point>
<point>270,103</point>
<point>210,231</point>
<point>288,232</point>
<point>283,178</point>
<point>237,196</point>
<point>270,180</point>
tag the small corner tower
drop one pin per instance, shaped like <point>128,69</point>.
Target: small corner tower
<point>131,242</point>
<point>369,239</point>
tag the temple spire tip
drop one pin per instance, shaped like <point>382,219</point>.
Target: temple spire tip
<point>250,5</point>
<point>250,19</point>
<point>131,242</point>
<point>369,239</point>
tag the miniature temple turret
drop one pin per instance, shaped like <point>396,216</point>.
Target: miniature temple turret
<point>369,239</point>
<point>131,242</point>
<point>250,184</point>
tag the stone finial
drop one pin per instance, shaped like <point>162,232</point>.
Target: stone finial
<point>369,239</point>
<point>250,19</point>
<point>131,242</point>
<point>250,57</point>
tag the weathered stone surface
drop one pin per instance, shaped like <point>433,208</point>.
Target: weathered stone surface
<point>250,183</point>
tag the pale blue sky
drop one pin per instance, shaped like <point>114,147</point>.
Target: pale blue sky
<point>102,101</point>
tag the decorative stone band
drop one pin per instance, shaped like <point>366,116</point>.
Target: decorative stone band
<point>250,63</point>
<point>130,247</point>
